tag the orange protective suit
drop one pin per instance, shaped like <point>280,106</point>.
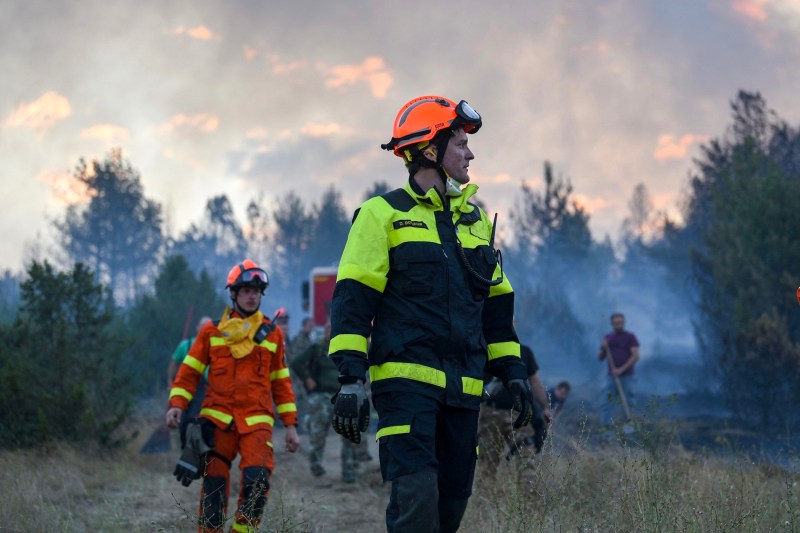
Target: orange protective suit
<point>241,391</point>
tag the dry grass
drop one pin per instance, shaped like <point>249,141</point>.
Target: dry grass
<point>59,488</point>
<point>623,486</point>
<point>573,486</point>
<point>66,490</point>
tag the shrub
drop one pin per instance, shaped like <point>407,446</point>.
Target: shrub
<point>58,363</point>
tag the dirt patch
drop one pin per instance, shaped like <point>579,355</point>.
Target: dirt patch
<point>298,501</point>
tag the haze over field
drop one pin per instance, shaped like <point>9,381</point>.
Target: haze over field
<point>234,98</point>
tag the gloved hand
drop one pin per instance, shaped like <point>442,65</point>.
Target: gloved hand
<point>350,411</point>
<point>522,396</point>
<point>189,466</point>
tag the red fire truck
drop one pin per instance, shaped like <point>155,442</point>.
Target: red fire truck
<point>318,293</point>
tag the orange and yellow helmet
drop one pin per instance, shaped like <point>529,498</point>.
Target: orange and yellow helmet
<point>247,273</point>
<point>422,118</point>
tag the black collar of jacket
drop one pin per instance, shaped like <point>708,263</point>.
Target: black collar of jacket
<point>421,195</point>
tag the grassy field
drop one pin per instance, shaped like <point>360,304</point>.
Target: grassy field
<point>626,487</point>
<point>579,483</point>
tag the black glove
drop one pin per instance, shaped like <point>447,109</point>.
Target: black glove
<point>522,397</point>
<point>350,411</point>
<point>190,465</point>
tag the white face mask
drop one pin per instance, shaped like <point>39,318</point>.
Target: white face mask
<point>452,188</point>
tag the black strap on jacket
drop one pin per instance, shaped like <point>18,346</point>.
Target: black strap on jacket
<point>400,200</point>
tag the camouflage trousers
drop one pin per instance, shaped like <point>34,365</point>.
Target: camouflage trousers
<point>318,421</point>
<point>300,402</point>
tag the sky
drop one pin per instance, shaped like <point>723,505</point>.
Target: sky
<point>264,97</point>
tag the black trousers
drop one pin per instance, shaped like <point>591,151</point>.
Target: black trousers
<point>428,452</point>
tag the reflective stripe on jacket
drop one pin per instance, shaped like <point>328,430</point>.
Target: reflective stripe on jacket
<point>436,328</point>
<point>240,391</point>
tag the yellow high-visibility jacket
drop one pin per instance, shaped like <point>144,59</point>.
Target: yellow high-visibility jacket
<point>404,282</point>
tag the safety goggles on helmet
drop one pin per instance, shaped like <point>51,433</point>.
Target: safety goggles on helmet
<point>253,276</point>
<point>467,117</point>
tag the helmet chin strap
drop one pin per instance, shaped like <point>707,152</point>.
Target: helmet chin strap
<point>439,146</point>
<point>444,175</point>
<point>450,186</point>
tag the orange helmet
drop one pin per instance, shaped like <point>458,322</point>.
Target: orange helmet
<point>422,118</point>
<point>247,273</point>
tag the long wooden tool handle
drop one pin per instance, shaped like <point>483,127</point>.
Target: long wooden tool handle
<point>620,390</point>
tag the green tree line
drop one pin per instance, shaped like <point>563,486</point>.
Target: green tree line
<point>96,333</point>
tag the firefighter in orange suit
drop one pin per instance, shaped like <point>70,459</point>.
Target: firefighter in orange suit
<point>247,372</point>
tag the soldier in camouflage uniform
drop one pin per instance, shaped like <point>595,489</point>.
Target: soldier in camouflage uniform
<point>320,376</point>
<point>302,340</point>
<point>299,344</point>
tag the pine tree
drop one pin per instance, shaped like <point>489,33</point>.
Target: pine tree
<point>118,233</point>
<point>60,374</point>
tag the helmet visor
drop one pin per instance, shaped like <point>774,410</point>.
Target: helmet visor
<point>467,117</point>
<point>254,276</point>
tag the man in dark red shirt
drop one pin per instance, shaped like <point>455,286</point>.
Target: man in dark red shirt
<point>624,349</point>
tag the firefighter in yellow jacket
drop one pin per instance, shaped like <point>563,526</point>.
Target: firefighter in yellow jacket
<point>420,276</point>
<point>247,372</point>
